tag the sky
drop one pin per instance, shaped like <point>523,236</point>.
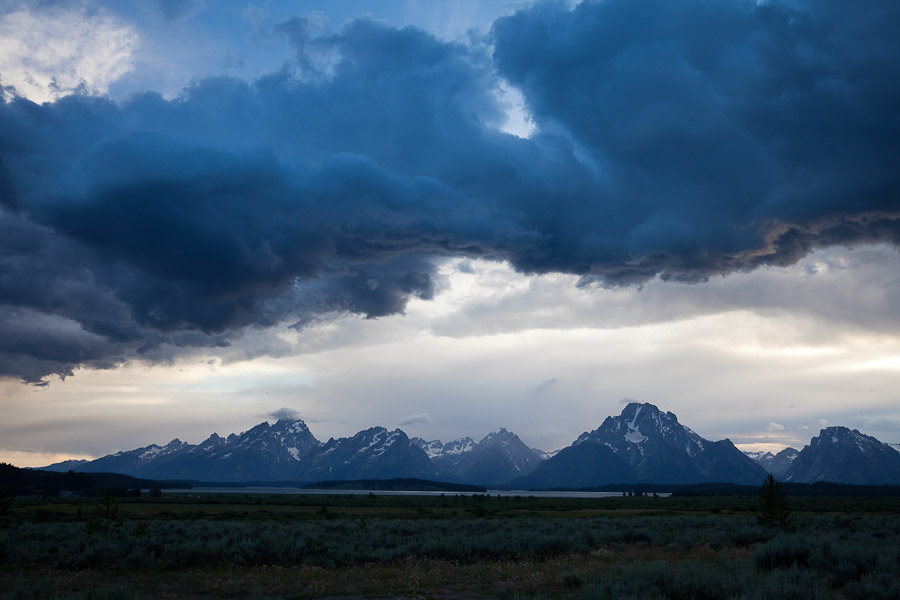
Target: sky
<point>446,216</point>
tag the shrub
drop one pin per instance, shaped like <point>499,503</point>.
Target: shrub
<point>782,553</point>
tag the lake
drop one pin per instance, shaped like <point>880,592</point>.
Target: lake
<point>313,492</point>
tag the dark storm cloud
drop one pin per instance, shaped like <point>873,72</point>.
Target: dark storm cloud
<point>725,135</point>
<point>674,139</point>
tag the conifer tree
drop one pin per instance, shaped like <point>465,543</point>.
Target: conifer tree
<point>773,504</point>
<point>106,518</point>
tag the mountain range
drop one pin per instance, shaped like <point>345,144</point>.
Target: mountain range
<point>498,457</point>
<point>777,464</point>
<point>641,445</point>
<point>839,455</point>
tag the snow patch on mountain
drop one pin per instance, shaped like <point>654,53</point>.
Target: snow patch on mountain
<point>635,437</point>
<point>433,449</point>
<point>760,456</point>
<point>387,443</point>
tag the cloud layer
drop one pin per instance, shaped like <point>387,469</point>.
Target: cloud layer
<point>61,51</point>
<point>674,140</point>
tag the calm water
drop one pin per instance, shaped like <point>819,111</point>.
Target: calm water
<point>312,492</point>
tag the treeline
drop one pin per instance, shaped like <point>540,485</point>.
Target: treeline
<point>822,488</point>
<point>33,482</point>
<point>398,484</point>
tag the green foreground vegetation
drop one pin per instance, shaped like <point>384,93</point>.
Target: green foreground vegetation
<point>306,546</point>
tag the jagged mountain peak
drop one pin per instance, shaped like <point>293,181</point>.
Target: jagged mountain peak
<point>433,449</point>
<point>293,430</point>
<point>648,418</point>
<point>292,434</point>
<point>498,457</point>
<point>777,464</point>
<point>294,425</point>
<point>845,455</point>
<point>760,456</point>
<point>370,432</point>
<point>252,433</point>
<point>498,435</point>
<point>373,439</point>
<point>644,443</point>
<point>154,450</point>
<point>379,434</point>
<point>633,410</point>
<point>213,441</point>
<point>639,422</point>
<point>836,434</point>
<point>844,436</point>
<point>372,453</point>
<point>460,446</point>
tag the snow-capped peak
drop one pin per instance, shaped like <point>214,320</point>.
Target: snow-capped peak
<point>460,446</point>
<point>844,435</point>
<point>758,456</point>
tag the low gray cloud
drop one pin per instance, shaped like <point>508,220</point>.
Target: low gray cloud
<point>674,140</point>
<point>284,413</point>
<point>420,419</point>
<point>546,385</point>
<point>850,291</point>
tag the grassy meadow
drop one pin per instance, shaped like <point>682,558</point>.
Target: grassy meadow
<point>301,546</point>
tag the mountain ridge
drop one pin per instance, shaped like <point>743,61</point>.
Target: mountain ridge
<point>641,445</point>
<point>844,455</point>
<point>499,456</point>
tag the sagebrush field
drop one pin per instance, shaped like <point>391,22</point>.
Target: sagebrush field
<point>249,546</point>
